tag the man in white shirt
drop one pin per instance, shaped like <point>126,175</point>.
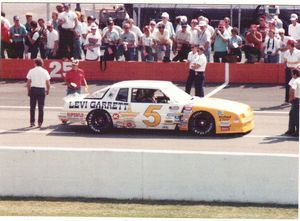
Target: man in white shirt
<point>38,86</point>
<point>68,21</point>
<point>294,95</point>
<point>163,46</point>
<point>138,35</point>
<point>168,25</point>
<point>182,43</point>
<point>52,41</point>
<point>197,65</point>
<point>92,44</point>
<point>271,48</point>
<point>292,61</point>
<point>294,29</point>
<point>228,27</point>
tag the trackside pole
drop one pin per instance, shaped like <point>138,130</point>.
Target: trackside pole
<point>224,84</point>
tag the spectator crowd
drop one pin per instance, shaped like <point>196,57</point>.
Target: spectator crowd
<point>69,34</point>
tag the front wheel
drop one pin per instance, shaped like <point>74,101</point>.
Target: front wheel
<point>202,123</point>
<point>99,121</point>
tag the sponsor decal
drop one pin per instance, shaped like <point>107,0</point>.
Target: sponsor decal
<point>236,120</point>
<point>115,116</point>
<point>165,127</point>
<point>170,115</point>
<point>177,117</point>
<point>130,124</point>
<point>220,113</point>
<point>225,123</point>
<point>125,124</point>
<point>169,122</point>
<point>225,128</point>
<point>224,118</point>
<point>188,108</point>
<point>184,118</point>
<point>174,107</point>
<point>75,115</point>
<point>187,112</point>
<point>106,105</point>
<point>128,113</point>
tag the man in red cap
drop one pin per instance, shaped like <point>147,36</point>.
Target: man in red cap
<point>75,78</point>
<point>253,45</point>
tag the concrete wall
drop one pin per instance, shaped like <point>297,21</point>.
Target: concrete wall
<point>155,175</point>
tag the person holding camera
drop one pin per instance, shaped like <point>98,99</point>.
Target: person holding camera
<point>220,40</point>
<point>253,45</point>
<point>110,41</point>
<point>272,46</point>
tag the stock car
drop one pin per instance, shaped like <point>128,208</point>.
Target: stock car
<point>126,105</point>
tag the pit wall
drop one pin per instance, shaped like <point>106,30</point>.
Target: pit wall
<point>149,175</point>
<point>176,72</point>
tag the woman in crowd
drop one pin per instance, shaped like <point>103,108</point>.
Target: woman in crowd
<point>235,44</point>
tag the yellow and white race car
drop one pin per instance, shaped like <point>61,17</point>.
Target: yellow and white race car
<point>155,105</point>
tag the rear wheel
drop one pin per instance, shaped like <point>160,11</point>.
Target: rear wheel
<point>99,121</point>
<point>202,123</point>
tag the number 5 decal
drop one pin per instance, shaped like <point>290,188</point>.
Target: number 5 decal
<point>151,112</point>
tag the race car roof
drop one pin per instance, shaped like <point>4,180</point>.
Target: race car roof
<point>143,84</point>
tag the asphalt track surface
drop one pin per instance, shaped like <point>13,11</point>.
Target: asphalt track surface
<point>271,119</point>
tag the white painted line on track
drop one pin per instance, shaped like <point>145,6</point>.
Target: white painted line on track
<point>53,218</point>
<point>149,150</point>
<point>216,90</point>
<point>223,85</point>
<point>53,131</point>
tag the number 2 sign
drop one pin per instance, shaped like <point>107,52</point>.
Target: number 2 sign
<point>58,69</point>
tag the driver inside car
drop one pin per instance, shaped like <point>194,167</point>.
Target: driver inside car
<point>149,96</point>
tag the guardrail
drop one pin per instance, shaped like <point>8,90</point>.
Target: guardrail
<point>177,72</point>
<point>149,175</point>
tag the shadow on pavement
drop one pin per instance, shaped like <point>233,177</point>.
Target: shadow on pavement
<point>84,131</point>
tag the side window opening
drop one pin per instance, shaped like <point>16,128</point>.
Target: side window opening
<point>122,95</point>
<point>144,95</point>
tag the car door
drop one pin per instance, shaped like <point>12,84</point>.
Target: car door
<point>159,114</point>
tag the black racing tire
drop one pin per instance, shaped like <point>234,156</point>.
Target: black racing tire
<point>202,123</point>
<point>99,121</point>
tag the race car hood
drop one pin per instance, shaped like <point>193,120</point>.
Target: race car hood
<point>219,104</point>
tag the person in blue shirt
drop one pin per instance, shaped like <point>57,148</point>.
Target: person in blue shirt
<point>220,40</point>
<point>17,33</point>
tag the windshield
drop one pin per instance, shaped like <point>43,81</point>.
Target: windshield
<point>177,94</point>
<point>98,94</point>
